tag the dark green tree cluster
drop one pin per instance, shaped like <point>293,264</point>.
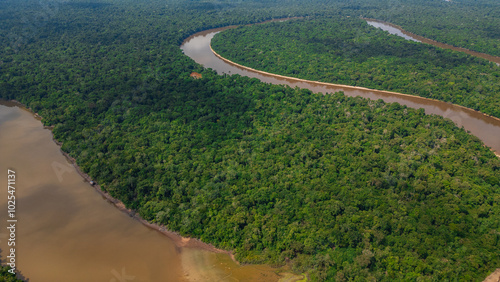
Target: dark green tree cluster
<point>341,188</point>
<point>349,51</point>
<point>6,276</point>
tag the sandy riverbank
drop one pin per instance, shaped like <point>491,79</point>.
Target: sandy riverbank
<point>493,277</point>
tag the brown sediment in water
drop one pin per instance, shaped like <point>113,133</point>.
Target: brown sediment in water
<point>178,239</point>
<point>488,57</point>
<point>15,103</point>
<point>218,267</point>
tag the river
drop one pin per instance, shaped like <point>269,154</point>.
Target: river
<point>67,231</point>
<point>485,127</point>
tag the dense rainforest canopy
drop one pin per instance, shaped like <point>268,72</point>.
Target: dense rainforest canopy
<point>340,188</point>
<point>6,276</point>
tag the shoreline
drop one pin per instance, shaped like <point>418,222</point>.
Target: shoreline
<point>178,239</point>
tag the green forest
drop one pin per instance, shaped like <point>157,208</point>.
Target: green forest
<point>6,276</point>
<point>336,187</point>
<point>348,51</point>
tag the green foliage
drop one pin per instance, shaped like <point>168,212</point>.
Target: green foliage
<point>6,276</point>
<point>348,51</point>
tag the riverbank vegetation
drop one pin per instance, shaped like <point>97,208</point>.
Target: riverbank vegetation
<point>341,188</point>
<point>6,276</point>
<point>348,51</point>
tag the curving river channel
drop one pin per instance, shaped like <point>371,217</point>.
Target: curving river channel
<point>397,30</point>
<point>485,127</point>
